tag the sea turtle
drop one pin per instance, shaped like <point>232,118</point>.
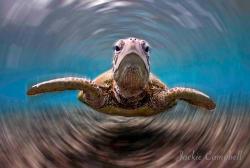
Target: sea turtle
<point>128,89</point>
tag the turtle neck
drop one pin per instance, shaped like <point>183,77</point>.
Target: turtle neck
<point>133,101</point>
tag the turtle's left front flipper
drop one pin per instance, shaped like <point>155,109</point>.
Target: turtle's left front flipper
<point>192,96</point>
<point>95,94</point>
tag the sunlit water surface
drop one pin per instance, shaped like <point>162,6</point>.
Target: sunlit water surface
<point>196,43</point>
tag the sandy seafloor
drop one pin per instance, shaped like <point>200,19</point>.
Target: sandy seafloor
<point>74,136</point>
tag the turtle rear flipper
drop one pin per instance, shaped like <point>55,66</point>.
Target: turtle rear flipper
<point>94,92</point>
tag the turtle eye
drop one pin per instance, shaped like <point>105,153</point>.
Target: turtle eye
<point>145,46</point>
<point>117,48</point>
<point>146,49</point>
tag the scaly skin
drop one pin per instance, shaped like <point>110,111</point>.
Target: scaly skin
<point>94,94</point>
<point>167,98</point>
<point>129,89</point>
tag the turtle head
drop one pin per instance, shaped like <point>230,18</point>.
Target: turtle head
<point>131,66</point>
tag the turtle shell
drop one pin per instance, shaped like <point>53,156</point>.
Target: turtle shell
<point>142,108</point>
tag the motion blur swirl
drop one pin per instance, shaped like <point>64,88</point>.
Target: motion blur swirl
<point>73,137</point>
<point>202,44</point>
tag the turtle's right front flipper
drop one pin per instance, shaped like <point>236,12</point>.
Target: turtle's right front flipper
<point>95,95</point>
<point>166,99</point>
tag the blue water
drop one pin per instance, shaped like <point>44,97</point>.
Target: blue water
<point>195,43</point>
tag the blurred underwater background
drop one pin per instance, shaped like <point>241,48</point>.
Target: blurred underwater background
<point>203,44</point>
